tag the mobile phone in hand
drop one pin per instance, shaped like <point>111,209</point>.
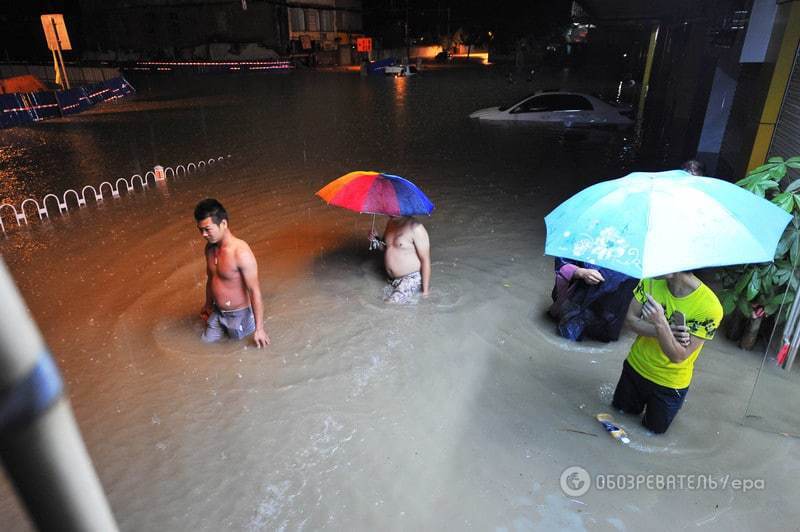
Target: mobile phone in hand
<point>678,318</point>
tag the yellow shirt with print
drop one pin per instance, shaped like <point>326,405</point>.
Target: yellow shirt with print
<point>703,313</point>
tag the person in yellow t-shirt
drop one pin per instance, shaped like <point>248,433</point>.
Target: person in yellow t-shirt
<point>656,375</point>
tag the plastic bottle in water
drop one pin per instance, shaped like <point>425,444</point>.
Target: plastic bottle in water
<point>616,432</point>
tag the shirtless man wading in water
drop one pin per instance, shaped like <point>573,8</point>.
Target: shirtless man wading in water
<point>407,258</point>
<point>233,297</point>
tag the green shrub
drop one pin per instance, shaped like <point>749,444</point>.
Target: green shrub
<point>765,285</point>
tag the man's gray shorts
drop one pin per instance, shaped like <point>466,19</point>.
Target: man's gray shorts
<point>236,324</point>
<point>405,287</point>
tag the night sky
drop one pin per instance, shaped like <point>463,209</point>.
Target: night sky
<point>428,19</point>
<point>22,36</point>
<point>385,20</point>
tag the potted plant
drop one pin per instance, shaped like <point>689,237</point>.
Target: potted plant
<point>754,292</point>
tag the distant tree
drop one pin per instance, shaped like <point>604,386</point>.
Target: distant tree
<point>469,36</point>
<point>530,24</point>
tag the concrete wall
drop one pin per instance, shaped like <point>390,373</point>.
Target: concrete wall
<point>77,75</point>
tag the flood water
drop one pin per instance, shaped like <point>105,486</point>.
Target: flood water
<point>458,412</point>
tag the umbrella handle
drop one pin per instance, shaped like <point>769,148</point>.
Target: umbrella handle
<point>372,244</point>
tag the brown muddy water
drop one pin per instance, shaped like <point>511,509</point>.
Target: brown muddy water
<point>459,412</point>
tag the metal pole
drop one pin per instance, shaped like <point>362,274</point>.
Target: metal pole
<point>792,350</point>
<point>648,68</point>
<point>40,445</point>
<point>408,45</point>
<point>60,57</point>
<point>791,321</point>
<point>57,69</point>
<point>63,69</point>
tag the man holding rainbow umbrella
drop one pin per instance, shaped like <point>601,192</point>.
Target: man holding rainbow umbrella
<point>407,255</point>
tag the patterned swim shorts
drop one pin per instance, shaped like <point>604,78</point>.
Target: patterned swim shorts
<point>236,324</point>
<point>403,288</point>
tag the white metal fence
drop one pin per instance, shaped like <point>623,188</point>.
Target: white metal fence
<point>43,207</point>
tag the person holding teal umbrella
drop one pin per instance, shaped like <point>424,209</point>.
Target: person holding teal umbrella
<point>673,315</point>
<point>591,301</point>
<point>659,227</point>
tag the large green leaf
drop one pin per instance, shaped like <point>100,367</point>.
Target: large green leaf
<point>784,200</point>
<point>778,172</point>
<point>788,236</point>
<point>728,300</point>
<point>762,168</point>
<point>775,303</point>
<point>744,280</point>
<point>781,276</point>
<point>777,299</point>
<point>794,185</point>
<point>766,280</point>
<point>762,187</point>
<point>744,307</point>
<point>775,159</point>
<point>751,181</point>
<point>753,285</point>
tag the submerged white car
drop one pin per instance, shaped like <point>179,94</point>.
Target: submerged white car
<point>569,108</point>
<point>400,70</point>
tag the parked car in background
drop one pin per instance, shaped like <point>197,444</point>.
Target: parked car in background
<point>400,70</point>
<point>569,108</point>
<point>377,67</point>
<point>442,57</point>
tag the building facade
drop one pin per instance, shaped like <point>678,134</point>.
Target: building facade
<point>713,77</point>
<point>325,30</point>
<point>184,29</point>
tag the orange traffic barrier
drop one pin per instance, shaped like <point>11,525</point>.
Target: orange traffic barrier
<point>26,83</point>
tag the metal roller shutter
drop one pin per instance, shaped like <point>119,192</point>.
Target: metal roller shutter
<point>786,139</point>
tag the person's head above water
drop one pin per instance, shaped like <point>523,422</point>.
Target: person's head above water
<point>210,208</point>
<point>212,220</point>
<point>694,167</point>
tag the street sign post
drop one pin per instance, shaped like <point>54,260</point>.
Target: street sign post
<point>55,31</point>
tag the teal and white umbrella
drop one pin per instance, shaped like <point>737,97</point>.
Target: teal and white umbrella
<point>653,223</point>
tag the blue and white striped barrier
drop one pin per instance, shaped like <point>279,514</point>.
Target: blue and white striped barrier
<point>26,107</point>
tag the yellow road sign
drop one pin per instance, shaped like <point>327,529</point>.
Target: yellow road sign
<point>56,32</point>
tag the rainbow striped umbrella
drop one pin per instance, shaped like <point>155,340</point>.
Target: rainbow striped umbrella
<point>376,193</point>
